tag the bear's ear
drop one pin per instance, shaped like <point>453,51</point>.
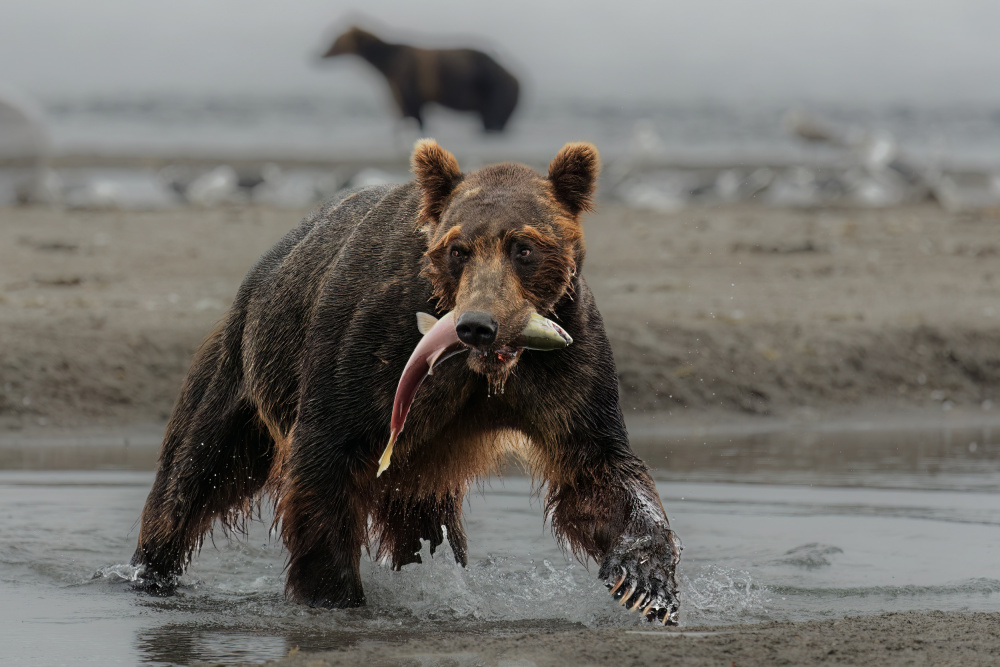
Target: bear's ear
<point>437,175</point>
<point>573,173</point>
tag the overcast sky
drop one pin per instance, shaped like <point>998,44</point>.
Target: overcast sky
<point>855,51</point>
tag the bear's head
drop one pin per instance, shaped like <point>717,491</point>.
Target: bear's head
<point>503,242</point>
<point>354,40</point>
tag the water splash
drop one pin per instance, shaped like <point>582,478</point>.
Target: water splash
<point>118,573</point>
<point>495,588</point>
<point>723,595</point>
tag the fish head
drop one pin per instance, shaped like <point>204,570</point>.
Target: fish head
<point>504,243</point>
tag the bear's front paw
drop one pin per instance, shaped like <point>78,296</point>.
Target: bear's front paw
<point>147,581</point>
<point>640,573</point>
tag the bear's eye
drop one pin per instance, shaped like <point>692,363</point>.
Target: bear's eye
<point>522,253</point>
<point>458,254</point>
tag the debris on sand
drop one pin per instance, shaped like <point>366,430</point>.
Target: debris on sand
<point>863,167</point>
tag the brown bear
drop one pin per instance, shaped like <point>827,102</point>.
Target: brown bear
<point>460,79</point>
<point>291,395</point>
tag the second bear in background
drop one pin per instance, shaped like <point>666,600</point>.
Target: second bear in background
<point>460,79</point>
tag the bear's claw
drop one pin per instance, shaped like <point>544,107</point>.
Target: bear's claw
<point>657,605</point>
<point>618,583</point>
<point>639,574</point>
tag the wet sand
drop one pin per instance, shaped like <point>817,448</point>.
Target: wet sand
<point>913,638</point>
<point>715,314</point>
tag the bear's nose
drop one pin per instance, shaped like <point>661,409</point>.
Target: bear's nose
<point>476,329</point>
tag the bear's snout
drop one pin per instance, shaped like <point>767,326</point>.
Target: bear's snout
<point>476,329</point>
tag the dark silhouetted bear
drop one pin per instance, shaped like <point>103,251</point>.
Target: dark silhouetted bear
<point>460,79</point>
<point>292,394</point>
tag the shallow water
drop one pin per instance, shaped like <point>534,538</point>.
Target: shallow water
<point>351,125</point>
<point>777,526</point>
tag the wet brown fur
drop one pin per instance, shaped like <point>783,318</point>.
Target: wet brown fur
<point>460,79</point>
<point>291,395</point>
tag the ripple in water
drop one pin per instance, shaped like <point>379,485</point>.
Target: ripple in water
<point>810,556</point>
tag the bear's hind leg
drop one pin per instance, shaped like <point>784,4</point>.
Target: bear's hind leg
<point>216,472</point>
<point>214,461</point>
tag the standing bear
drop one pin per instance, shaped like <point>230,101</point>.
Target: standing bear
<point>297,391</point>
<point>460,79</point>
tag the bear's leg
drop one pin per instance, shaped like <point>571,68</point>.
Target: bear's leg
<point>219,463</point>
<point>403,522</point>
<point>494,118</point>
<point>497,105</point>
<point>601,499</point>
<point>323,509</point>
<point>215,459</point>
<point>411,102</point>
<point>610,511</point>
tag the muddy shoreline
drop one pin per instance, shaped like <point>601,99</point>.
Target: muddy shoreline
<point>714,313</point>
<point>912,638</point>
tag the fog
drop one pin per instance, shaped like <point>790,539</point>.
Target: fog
<point>857,51</point>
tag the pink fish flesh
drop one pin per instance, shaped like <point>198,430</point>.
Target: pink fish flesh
<point>437,344</point>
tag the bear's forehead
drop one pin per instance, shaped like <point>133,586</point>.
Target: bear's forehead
<point>516,209</point>
<point>483,207</point>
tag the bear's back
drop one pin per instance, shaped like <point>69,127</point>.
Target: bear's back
<point>319,277</point>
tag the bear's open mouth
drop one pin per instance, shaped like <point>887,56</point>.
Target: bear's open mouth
<point>495,365</point>
<point>500,357</point>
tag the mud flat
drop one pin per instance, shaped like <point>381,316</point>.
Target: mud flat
<point>912,638</point>
<point>715,313</point>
